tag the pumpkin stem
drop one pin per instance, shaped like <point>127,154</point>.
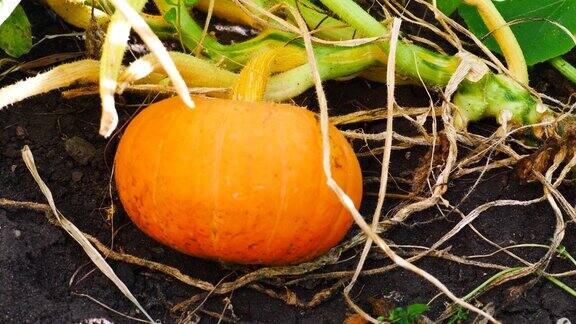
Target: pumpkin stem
<point>504,37</point>
<point>253,79</point>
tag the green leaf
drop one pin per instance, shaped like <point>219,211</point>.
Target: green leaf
<point>448,6</point>
<point>6,8</point>
<point>171,15</point>
<point>460,315</point>
<point>16,34</point>
<point>534,23</point>
<point>397,314</point>
<point>417,309</point>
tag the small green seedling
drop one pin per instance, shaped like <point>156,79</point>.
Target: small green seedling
<point>408,315</point>
<point>563,252</point>
<point>459,316</point>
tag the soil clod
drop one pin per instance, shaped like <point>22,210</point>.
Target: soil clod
<point>80,150</point>
<point>77,176</point>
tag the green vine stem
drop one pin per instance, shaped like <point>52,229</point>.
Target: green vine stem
<point>486,284</point>
<point>568,70</point>
<point>489,97</point>
<point>504,37</point>
<point>282,86</point>
<point>232,56</point>
<point>345,61</point>
<point>412,61</point>
<point>511,272</point>
<point>492,96</point>
<point>561,285</point>
<point>322,24</point>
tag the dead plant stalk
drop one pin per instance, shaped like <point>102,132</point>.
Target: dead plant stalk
<point>346,201</point>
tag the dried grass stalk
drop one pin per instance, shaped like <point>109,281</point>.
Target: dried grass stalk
<point>71,229</point>
<point>59,77</point>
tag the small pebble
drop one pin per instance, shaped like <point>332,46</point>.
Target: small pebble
<point>96,321</point>
<point>77,176</point>
<point>13,167</point>
<point>20,132</point>
<point>138,48</point>
<point>157,250</point>
<point>17,233</point>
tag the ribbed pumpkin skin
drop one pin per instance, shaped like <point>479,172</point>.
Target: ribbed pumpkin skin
<point>235,181</point>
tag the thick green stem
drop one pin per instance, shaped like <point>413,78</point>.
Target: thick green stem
<point>78,14</point>
<point>568,70</point>
<point>327,27</point>
<point>504,37</point>
<point>232,56</point>
<point>342,63</point>
<point>494,95</point>
<point>197,72</point>
<point>353,14</point>
<point>176,13</point>
<point>411,60</point>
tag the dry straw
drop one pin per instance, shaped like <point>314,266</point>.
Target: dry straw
<point>347,202</point>
<point>77,235</point>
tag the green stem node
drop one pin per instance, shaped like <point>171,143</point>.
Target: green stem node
<point>493,96</point>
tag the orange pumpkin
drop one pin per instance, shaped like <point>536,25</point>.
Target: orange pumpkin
<point>235,181</point>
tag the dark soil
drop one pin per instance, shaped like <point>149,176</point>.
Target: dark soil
<point>46,278</point>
